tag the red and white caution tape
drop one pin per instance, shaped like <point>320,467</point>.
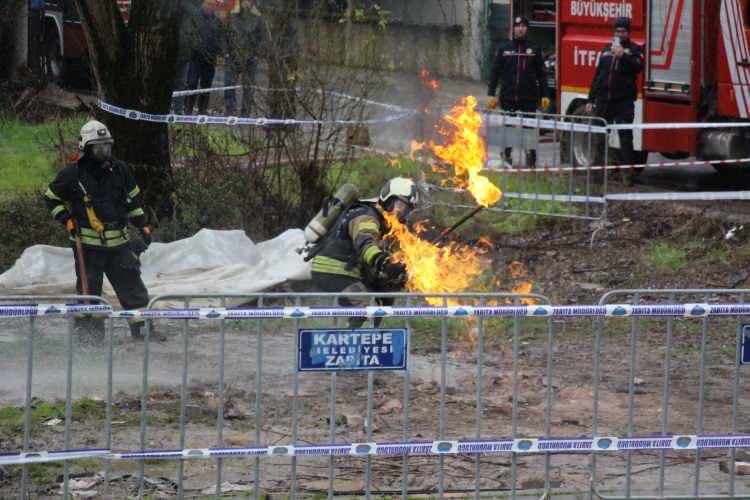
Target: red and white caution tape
<point>494,166</point>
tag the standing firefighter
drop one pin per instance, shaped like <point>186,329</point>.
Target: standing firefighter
<point>351,258</point>
<point>95,197</point>
<point>519,68</point>
<point>614,90</point>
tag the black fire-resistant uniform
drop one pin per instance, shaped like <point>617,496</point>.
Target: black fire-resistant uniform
<point>614,91</point>
<point>349,257</point>
<point>519,68</point>
<point>111,191</point>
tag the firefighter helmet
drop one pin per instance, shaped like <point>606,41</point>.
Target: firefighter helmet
<point>94,132</point>
<point>400,188</point>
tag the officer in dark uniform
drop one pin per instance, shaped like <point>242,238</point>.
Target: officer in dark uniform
<point>519,68</point>
<point>352,258</point>
<point>614,90</point>
<point>95,198</point>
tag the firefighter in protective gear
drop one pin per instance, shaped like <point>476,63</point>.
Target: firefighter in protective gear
<point>96,197</point>
<point>614,89</point>
<point>519,68</point>
<point>353,258</point>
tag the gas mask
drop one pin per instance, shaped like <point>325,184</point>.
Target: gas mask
<point>101,152</point>
<point>400,209</point>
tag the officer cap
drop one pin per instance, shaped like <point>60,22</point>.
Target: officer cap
<point>622,22</point>
<point>521,20</point>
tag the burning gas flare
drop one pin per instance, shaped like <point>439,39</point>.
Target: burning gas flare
<point>465,150</point>
<point>520,276</point>
<point>435,269</point>
<point>428,82</point>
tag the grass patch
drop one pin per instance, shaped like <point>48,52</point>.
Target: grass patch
<point>662,256</point>
<point>29,159</point>
<point>11,417</point>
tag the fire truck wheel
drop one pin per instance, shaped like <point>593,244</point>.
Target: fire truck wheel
<point>579,148</point>
<point>53,61</point>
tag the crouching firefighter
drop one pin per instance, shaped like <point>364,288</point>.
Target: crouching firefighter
<point>350,257</point>
<point>94,198</point>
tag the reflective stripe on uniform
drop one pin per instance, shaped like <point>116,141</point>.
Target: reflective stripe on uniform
<point>55,211</point>
<point>369,254</point>
<point>95,241</point>
<point>367,226</point>
<point>136,212</point>
<point>328,265</point>
<point>134,192</point>
<point>51,195</point>
<point>108,234</point>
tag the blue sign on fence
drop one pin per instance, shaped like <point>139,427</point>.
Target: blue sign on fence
<point>745,346</point>
<point>357,349</point>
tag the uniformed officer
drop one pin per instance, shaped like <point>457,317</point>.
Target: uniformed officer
<point>352,258</point>
<point>519,68</point>
<point>95,198</point>
<point>613,89</point>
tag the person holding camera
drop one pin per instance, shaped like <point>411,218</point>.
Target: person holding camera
<point>614,89</point>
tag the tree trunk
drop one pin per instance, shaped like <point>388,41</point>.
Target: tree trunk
<point>134,67</point>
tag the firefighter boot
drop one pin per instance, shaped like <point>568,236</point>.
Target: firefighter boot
<point>138,331</point>
<point>508,157</point>
<point>89,329</point>
<point>531,158</point>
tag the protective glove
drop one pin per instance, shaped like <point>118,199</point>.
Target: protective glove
<point>146,235</point>
<point>492,102</point>
<point>545,104</point>
<point>394,272</point>
<point>71,227</point>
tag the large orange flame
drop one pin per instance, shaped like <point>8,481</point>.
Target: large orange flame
<point>433,269</point>
<point>465,150</point>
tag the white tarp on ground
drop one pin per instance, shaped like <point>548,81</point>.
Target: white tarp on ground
<point>208,262</point>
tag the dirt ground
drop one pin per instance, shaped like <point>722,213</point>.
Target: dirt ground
<point>563,265</point>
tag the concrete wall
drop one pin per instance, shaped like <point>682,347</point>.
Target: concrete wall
<point>417,36</point>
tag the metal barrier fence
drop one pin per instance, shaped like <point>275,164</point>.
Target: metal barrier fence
<point>491,387</point>
<point>553,186</point>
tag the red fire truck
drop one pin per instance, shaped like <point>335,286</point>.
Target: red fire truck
<point>697,69</point>
<point>63,43</point>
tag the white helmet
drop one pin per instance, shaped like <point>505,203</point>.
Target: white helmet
<point>401,188</point>
<point>94,132</point>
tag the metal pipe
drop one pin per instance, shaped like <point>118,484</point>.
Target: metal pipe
<point>460,221</point>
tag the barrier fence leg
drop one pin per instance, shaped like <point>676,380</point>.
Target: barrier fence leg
<point>514,409</point>
<point>220,388</point>
<point>631,397</point>
<point>735,394</point>
<point>183,402</point>
<point>548,404</point>
<point>258,398</point>
<point>144,407</point>
<point>405,422</point>
<point>27,405</point>
<point>68,403</point>
<point>443,382</point>
<point>599,326</point>
<point>332,420</point>
<point>665,396</point>
<point>701,402</point>
<point>478,413</point>
<point>368,459</point>
<point>108,409</point>
<point>295,407</point>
